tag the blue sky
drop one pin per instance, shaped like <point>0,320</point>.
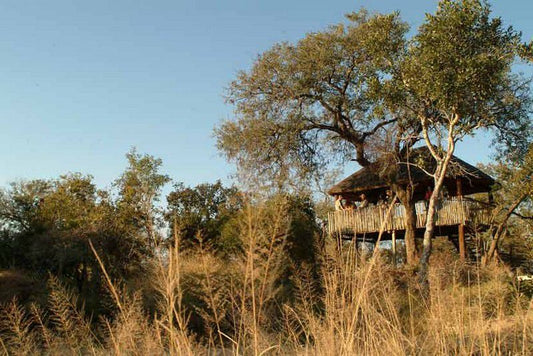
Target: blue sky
<point>83,81</point>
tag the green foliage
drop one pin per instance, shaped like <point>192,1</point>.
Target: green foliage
<point>292,221</point>
<point>514,196</point>
<point>460,65</point>
<point>18,204</point>
<point>46,226</point>
<point>514,179</point>
<point>139,190</point>
<point>303,235</point>
<point>202,211</point>
<point>302,105</point>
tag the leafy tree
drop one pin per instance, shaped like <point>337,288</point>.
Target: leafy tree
<point>458,74</point>
<point>305,104</point>
<point>513,200</point>
<point>19,214</point>
<point>139,191</point>
<point>47,226</point>
<point>202,211</point>
<point>332,96</point>
<point>38,215</point>
<point>18,203</point>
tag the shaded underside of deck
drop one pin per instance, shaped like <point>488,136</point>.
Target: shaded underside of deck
<point>450,231</point>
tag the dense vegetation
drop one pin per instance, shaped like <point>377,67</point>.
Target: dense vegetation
<point>248,269</point>
<point>92,271</point>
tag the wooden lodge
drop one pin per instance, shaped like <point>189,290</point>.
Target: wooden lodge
<point>466,202</point>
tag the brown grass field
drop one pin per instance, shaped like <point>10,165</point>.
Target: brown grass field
<point>356,305</point>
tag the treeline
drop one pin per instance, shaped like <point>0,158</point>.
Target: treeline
<point>77,261</point>
<point>48,227</point>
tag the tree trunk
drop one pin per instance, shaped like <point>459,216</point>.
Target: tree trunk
<point>440,173</point>
<point>489,256</point>
<point>443,161</point>
<point>410,232</point>
<point>405,196</point>
<point>461,227</point>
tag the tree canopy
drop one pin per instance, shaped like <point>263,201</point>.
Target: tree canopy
<point>201,212</point>
<point>335,94</point>
<point>305,104</point>
<point>362,89</point>
<point>139,190</point>
<point>459,66</point>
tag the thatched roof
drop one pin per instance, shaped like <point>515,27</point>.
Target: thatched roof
<point>375,178</point>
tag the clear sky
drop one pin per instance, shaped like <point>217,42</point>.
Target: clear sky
<point>83,81</point>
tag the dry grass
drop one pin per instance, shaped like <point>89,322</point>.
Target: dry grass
<point>208,306</point>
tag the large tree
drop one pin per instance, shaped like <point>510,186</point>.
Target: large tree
<point>458,74</point>
<point>332,96</point>
<point>304,104</point>
<point>345,91</point>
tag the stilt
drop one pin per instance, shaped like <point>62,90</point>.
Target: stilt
<point>394,247</point>
<point>363,247</point>
<point>339,243</point>
<point>462,247</point>
<point>461,228</point>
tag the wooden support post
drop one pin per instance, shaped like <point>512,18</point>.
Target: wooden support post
<point>363,246</point>
<point>338,237</point>
<point>461,229</point>
<point>462,247</point>
<point>394,247</point>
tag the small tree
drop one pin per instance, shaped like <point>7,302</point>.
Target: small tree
<point>202,211</point>
<point>513,199</point>
<point>139,190</point>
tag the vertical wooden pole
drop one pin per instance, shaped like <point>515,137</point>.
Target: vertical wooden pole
<point>394,247</point>
<point>339,242</point>
<point>461,229</point>
<point>363,246</point>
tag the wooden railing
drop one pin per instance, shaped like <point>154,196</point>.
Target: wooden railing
<point>370,219</point>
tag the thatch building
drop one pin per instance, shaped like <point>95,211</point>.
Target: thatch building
<point>374,180</point>
<point>458,208</point>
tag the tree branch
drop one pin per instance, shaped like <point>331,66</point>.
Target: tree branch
<point>377,127</point>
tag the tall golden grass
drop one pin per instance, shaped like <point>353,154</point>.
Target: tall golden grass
<point>359,305</point>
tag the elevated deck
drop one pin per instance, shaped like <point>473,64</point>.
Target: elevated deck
<point>369,220</point>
